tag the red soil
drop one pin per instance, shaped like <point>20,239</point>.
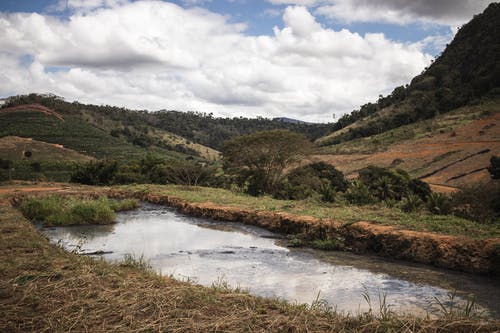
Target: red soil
<point>449,160</point>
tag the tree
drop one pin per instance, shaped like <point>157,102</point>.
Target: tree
<point>262,157</point>
<point>494,167</point>
<point>182,173</point>
<point>7,165</point>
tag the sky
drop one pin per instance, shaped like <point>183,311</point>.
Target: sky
<point>312,60</point>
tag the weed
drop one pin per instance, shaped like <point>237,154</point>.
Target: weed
<point>453,308</point>
<point>327,244</point>
<point>131,261</point>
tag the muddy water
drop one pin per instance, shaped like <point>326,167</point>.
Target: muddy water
<point>254,259</point>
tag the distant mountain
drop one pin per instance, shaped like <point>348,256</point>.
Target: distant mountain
<point>290,120</point>
<point>467,72</point>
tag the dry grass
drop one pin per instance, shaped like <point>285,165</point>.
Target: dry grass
<point>45,289</point>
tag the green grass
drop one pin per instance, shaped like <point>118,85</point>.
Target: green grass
<point>73,133</point>
<point>420,221</point>
<point>327,244</point>
<point>64,211</point>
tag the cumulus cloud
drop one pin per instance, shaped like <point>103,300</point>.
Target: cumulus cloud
<point>152,54</point>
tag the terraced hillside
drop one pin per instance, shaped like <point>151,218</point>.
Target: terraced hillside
<point>451,150</point>
<point>15,148</point>
<point>89,134</point>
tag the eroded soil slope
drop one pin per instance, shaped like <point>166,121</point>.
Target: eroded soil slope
<point>448,160</point>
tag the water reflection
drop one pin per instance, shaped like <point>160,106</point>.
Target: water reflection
<point>249,257</point>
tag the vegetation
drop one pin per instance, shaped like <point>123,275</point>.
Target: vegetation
<point>494,167</point>
<point>58,210</point>
<point>339,211</point>
<point>479,202</point>
<point>260,159</point>
<point>162,130</point>
<point>44,288</point>
<point>150,169</point>
<point>316,179</point>
<point>466,72</point>
<point>426,128</point>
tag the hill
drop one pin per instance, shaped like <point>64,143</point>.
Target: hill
<point>443,127</point>
<point>100,132</point>
<point>451,150</point>
<point>191,133</point>
<point>467,72</point>
<point>14,148</point>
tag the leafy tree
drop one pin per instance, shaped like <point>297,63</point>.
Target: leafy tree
<point>6,165</point>
<point>262,157</point>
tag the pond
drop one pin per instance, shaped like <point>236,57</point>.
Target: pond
<point>208,252</point>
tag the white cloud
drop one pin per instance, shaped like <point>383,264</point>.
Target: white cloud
<point>445,12</point>
<point>154,55</point>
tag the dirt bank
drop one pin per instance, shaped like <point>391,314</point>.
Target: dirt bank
<point>453,252</point>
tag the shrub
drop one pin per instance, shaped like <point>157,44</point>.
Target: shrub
<point>183,173</point>
<point>96,173</point>
<point>385,184</point>
<point>438,203</point>
<point>358,193</point>
<point>316,179</point>
<point>479,203</point>
<point>411,203</point>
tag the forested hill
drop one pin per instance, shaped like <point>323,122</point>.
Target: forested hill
<point>139,126</point>
<point>467,72</point>
<point>212,131</point>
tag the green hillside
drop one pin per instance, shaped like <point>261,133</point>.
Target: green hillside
<point>192,133</point>
<point>466,73</point>
<point>72,133</point>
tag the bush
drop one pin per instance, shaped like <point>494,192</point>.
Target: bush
<point>183,173</point>
<point>96,173</point>
<point>438,203</point>
<point>316,179</point>
<point>358,193</point>
<point>392,185</point>
<point>411,203</point>
<point>480,203</point>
